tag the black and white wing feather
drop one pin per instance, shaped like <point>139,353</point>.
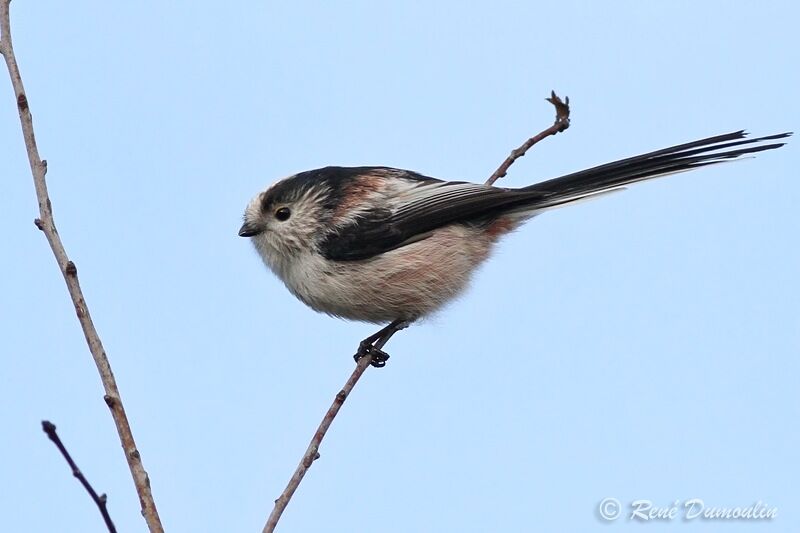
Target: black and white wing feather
<point>423,204</point>
<point>421,208</point>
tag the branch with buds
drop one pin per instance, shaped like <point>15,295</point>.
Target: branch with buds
<point>50,429</point>
<point>47,225</point>
<point>561,123</point>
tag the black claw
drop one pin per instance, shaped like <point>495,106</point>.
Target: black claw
<point>363,350</point>
<point>379,357</point>
<point>369,346</point>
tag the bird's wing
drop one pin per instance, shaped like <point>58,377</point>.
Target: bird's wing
<point>421,208</point>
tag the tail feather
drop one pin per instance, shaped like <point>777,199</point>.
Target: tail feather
<point>679,158</point>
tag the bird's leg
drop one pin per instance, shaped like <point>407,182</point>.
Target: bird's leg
<point>372,345</point>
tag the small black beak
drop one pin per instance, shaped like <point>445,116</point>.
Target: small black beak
<point>249,230</point>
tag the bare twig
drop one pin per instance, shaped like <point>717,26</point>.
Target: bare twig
<point>100,500</point>
<point>561,123</point>
<point>312,452</point>
<point>46,224</point>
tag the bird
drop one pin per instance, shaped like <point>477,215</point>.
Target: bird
<point>392,246</point>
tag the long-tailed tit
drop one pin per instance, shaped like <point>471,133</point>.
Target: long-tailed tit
<point>385,245</point>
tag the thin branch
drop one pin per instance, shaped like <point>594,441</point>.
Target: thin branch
<point>561,123</point>
<point>312,452</point>
<point>46,224</point>
<point>100,500</point>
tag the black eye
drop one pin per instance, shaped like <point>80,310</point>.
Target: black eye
<point>283,214</point>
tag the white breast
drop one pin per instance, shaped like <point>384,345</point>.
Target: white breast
<point>406,283</point>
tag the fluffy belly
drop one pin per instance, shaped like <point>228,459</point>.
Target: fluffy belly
<point>406,283</point>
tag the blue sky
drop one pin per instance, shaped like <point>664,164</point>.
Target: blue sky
<point>643,346</point>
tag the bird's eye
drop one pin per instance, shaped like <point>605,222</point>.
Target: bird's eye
<point>283,214</point>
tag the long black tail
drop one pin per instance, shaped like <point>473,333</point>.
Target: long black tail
<point>680,158</point>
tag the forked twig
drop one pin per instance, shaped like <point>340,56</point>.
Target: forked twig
<point>100,500</point>
<point>561,123</point>
<point>312,452</point>
<point>47,225</point>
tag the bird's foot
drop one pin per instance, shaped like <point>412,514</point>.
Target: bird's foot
<point>379,357</point>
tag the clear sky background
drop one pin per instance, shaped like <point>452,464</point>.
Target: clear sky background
<point>643,346</point>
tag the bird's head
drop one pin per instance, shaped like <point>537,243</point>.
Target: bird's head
<point>288,217</point>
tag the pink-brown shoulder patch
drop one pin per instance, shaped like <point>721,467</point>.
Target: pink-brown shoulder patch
<point>499,227</point>
<point>357,192</point>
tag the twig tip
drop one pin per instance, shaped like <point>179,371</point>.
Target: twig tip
<point>560,124</point>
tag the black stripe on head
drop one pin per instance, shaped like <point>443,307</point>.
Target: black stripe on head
<point>335,179</point>
<point>292,188</point>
